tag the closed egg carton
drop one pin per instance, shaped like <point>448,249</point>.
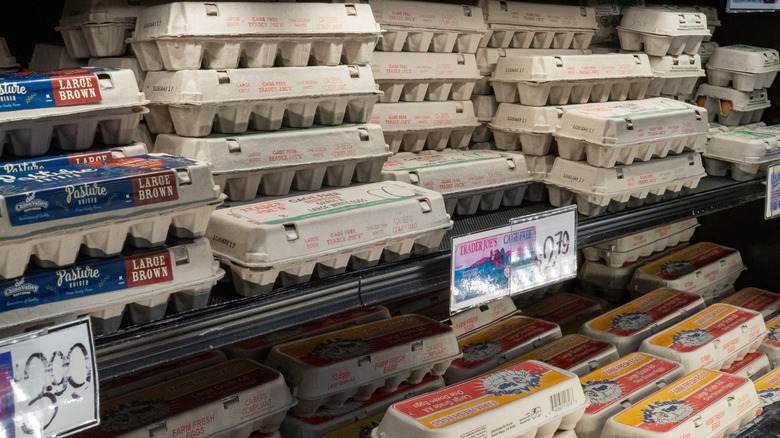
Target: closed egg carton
<point>191,35</point>
<point>744,154</point>
<point>484,107</point>
<point>427,26</point>
<point>711,13</point>
<point>731,107</point>
<point>414,77</point>
<point>7,61</point>
<point>487,57</point>
<point>660,31</point>
<point>192,103</point>
<point>416,126</point>
<point>288,240</point>
<point>771,345</point>
<point>468,180</point>
<point>597,190</point>
<point>71,107</point>
<point>706,50</point>
<point>768,387</point>
<point>97,28</point>
<point>567,310</point>
<point>768,303</point>
<point>528,128</point>
<point>482,134</point>
<point>125,63</point>
<point>576,353</point>
<point>327,370</point>
<point>53,57</point>
<point>273,163</point>
<point>558,80</point>
<point>675,75</point>
<point>746,68</point>
<point>771,129</point>
<point>49,161</point>
<point>753,366</point>
<point>538,167</point>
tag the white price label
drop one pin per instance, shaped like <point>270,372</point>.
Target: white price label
<point>751,5</point>
<point>48,382</point>
<point>772,207</point>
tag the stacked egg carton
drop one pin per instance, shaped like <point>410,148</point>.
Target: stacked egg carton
<point>7,61</point>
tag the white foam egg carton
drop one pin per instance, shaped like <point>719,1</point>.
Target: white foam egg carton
<point>576,353</point>
<point>193,102</point>
<point>768,303</point>
<point>96,154</point>
<point>711,13</point>
<point>768,387</point>
<point>272,163</point>
<point>484,107</point>
<point>468,180</point>
<point>327,370</point>
<point>538,167</point>
<point>487,57</point>
<point>626,326</point>
<point>70,107</point>
<point>703,404</point>
<point>567,310</point>
<point>232,399</point>
<point>660,31</point>
<point>706,50</point>
<point>226,35</point>
<point>732,107</point>
<point>415,126</point>
<point>612,133</point>
<point>7,61</point>
<point>287,240</point>
<point>753,366</point>
<point>53,57</point>
<point>558,80</point>
<point>525,400</point>
<point>596,190</point>
<point>428,26</point>
<point>97,28</point>
<point>713,338</point>
<point>744,154</point>
<point>771,345</point>
<point>675,75</point>
<point>124,62</point>
<point>414,77</point>
<point>527,128</point>
<point>618,385</point>
<point>746,68</point>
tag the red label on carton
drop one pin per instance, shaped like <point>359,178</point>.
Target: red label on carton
<point>75,90</point>
<point>148,269</point>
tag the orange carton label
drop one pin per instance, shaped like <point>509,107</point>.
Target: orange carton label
<point>768,387</point>
<point>705,326</point>
<point>753,298</point>
<point>773,337</point>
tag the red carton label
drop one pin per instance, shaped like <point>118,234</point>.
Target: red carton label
<point>75,90</point>
<point>148,269</point>
<point>154,188</point>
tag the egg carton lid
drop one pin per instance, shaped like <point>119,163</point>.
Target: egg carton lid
<point>710,11</point>
<point>487,57</point>
<point>561,307</point>
<point>745,59</point>
<point>660,20</point>
<point>513,117</point>
<point>707,48</point>
<point>121,62</point>
<point>576,353</point>
<point>476,318</point>
<point>53,57</point>
<point>539,165</point>
<point>428,15</point>
<point>6,59</point>
<point>741,100</point>
<point>680,66</point>
<point>410,116</point>
<point>80,12</point>
<point>716,128</point>
<point>744,146</point>
<point>405,66</point>
<point>98,154</point>
<point>572,68</point>
<point>635,240</point>
<point>752,364</point>
<point>538,15</point>
<point>768,303</point>
<point>768,387</point>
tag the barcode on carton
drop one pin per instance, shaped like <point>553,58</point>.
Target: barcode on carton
<point>562,399</point>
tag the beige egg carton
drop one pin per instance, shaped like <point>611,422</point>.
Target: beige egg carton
<point>482,134</point>
<point>7,61</point>
<point>753,366</point>
<point>97,28</point>
<point>53,57</point>
<point>660,31</point>
<point>272,163</point>
<point>415,126</point>
<point>746,68</point>
<point>576,353</point>
<point>482,146</point>
<point>487,57</point>
<point>427,26</point>
<point>527,128</point>
<point>226,35</point>
<point>675,75</point>
<point>744,154</point>
<point>768,303</point>
<point>558,80</point>
<point>731,107</point>
<point>711,12</point>
<point>771,345</point>
<point>192,103</point>
<point>538,167</point>
<point>768,387</point>
<point>484,107</point>
<point>597,190</point>
<point>288,240</point>
<point>483,87</point>
<point>327,370</point>
<point>530,399</point>
<point>125,63</point>
<point>414,77</point>
<point>532,37</point>
<point>706,50</point>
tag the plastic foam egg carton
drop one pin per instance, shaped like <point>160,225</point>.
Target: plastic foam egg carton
<point>626,326</point>
<point>415,126</point>
<point>623,132</point>
<point>329,369</point>
<point>576,353</point>
<point>226,35</point>
<point>732,107</point>
<point>768,387</point>
<point>192,102</point>
<point>538,167</point>
<point>753,366</point>
<point>125,63</point>
<point>675,75</point>
<point>567,310</point>
<point>614,387</point>
<point>768,303</point>
<point>287,240</point>
<point>7,61</point>
<point>468,180</point>
<point>527,128</point>
<point>771,345</point>
<point>228,400</point>
<point>70,107</point>
<point>744,154</point>
<point>428,26</point>
<point>272,163</point>
<point>97,28</point>
<point>53,57</point>
<point>597,190</point>
<point>529,399</point>
<point>660,31</point>
<point>703,404</point>
<point>746,68</point>
<point>414,77</point>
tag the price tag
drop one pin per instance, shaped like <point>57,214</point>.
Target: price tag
<point>751,5</point>
<point>48,382</point>
<point>772,207</point>
<point>544,249</point>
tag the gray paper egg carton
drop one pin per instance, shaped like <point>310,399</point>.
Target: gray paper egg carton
<point>54,57</point>
<point>7,61</point>
<point>521,37</point>
<point>746,107</point>
<point>675,75</point>
<point>538,167</point>
<point>530,129</point>
<point>397,39</point>
<point>552,93</point>
<point>745,68</point>
<point>616,259</point>
<point>745,155</point>
<point>97,28</point>
<point>660,31</point>
<point>485,108</point>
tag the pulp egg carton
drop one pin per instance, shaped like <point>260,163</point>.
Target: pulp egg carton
<point>327,370</point>
<point>487,348</point>
<point>287,240</point>
<point>622,250</point>
<point>142,135</point>
<point>576,353</point>
<point>675,75</point>
<point>7,61</point>
<point>524,400</point>
<point>706,50</point>
<point>326,422</point>
<point>47,57</point>
<point>483,145</point>
<point>478,318</point>
<point>744,154</point>
<point>361,428</point>
<point>97,28</point>
<point>70,108</point>
<point>732,107</point>
<point>768,387</point>
<point>771,345</point>
<point>48,215</point>
<point>753,366</point>
<point>415,126</point>
<point>538,167</point>
<point>226,35</point>
<point>258,348</point>
<point>618,385</point>
<point>597,190</point>
<point>622,132</point>
<point>138,284</point>
<point>272,163</point>
<point>567,310</point>
<point>703,269</point>
<point>712,338</point>
<point>482,135</point>
<point>427,26</point>
<point>414,77</point>
<point>93,155</point>
<point>527,128</point>
<point>468,180</point>
<point>762,127</point>
<point>703,404</point>
<point>768,303</point>
<point>484,107</point>
<point>746,68</point>
<point>487,57</point>
<point>558,80</point>
<point>711,13</point>
<point>193,102</point>
<point>428,304</point>
<point>231,399</point>
<point>660,31</point>
<point>125,63</point>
